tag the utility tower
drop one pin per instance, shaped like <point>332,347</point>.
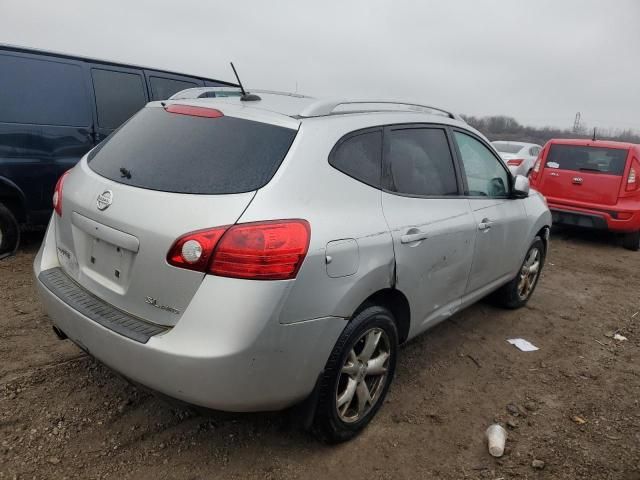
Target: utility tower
<point>576,123</point>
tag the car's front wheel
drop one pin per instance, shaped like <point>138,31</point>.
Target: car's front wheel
<point>517,292</point>
<point>357,375</point>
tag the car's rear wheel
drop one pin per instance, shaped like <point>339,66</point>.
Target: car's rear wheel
<point>357,375</point>
<point>631,241</point>
<point>517,292</point>
<point>9,232</point>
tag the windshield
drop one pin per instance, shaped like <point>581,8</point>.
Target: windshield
<point>506,147</point>
<point>590,159</point>
<point>170,152</point>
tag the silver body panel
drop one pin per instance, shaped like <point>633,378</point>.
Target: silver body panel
<point>247,345</point>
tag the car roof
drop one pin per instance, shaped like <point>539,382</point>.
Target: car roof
<point>585,142</point>
<point>290,109</point>
<point>520,144</point>
<point>37,51</point>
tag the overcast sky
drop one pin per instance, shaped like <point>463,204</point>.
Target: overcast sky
<point>540,61</point>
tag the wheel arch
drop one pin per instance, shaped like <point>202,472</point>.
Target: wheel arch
<point>12,197</point>
<point>397,303</point>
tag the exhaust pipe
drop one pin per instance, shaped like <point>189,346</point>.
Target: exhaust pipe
<point>59,333</point>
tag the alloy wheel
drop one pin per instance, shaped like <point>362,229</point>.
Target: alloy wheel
<point>363,375</point>
<point>529,273</point>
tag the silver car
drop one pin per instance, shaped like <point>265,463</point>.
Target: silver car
<point>251,255</point>
<point>519,156</point>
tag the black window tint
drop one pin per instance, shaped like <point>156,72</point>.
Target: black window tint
<point>42,92</point>
<point>610,161</point>
<point>420,162</point>
<point>186,154</point>
<point>163,88</point>
<point>486,177</point>
<point>360,157</point>
<point>118,96</point>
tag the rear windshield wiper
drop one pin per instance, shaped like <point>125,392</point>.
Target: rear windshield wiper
<point>587,169</point>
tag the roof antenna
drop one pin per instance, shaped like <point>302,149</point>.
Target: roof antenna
<point>246,97</point>
<point>594,134</point>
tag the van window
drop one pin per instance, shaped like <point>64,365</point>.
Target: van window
<point>43,92</point>
<point>163,88</point>
<point>118,96</point>
<point>170,152</point>
<point>587,159</point>
<point>360,157</point>
<point>420,163</point>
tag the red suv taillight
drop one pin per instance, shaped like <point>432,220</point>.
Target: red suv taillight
<point>515,162</point>
<point>271,250</point>
<point>632,178</point>
<point>535,170</point>
<point>57,194</point>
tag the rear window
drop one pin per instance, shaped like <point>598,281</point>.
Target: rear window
<point>504,147</point>
<point>587,159</point>
<point>170,152</point>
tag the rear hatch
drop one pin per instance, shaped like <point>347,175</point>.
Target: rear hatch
<point>584,173</point>
<point>158,177</point>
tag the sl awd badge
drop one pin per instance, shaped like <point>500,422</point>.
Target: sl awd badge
<point>104,200</point>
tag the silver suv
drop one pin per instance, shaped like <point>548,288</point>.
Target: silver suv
<point>248,255</point>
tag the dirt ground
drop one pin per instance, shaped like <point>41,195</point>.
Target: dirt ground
<point>573,405</point>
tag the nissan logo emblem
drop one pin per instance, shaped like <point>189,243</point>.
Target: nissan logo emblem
<point>104,200</point>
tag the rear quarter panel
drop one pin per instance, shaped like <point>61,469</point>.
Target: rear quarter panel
<point>337,207</point>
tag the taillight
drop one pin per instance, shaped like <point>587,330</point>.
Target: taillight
<point>272,250</point>
<point>632,180</point>
<point>57,194</point>
<point>194,111</point>
<point>515,162</point>
<point>193,250</point>
<point>535,170</point>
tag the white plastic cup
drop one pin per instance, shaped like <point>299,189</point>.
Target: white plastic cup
<point>497,437</point>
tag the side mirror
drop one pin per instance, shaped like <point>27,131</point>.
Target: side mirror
<point>521,187</point>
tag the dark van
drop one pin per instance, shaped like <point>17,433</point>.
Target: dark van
<point>53,109</point>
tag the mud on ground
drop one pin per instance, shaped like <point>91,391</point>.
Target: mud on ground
<point>573,405</point>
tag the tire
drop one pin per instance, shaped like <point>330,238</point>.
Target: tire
<point>333,424</point>
<point>631,241</point>
<point>512,295</point>
<point>9,232</point>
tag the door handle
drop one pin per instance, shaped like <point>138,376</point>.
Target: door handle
<point>413,237</point>
<point>485,225</point>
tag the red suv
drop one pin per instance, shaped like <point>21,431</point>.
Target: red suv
<point>592,183</point>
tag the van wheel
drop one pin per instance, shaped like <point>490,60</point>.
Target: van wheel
<point>517,292</point>
<point>631,241</point>
<point>357,376</point>
<point>9,232</point>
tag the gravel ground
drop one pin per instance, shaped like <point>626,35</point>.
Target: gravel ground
<point>572,408</point>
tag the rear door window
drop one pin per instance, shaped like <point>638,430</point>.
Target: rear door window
<point>171,152</point>
<point>506,147</point>
<point>420,162</point>
<point>43,91</point>
<point>360,157</point>
<point>119,95</point>
<point>610,161</point>
<point>162,88</point>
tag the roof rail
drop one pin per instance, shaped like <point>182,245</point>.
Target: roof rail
<point>325,107</point>
<point>204,92</point>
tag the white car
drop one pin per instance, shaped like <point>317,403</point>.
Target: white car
<point>519,156</point>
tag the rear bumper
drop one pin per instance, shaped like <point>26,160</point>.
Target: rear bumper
<point>612,219</point>
<point>228,354</point>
